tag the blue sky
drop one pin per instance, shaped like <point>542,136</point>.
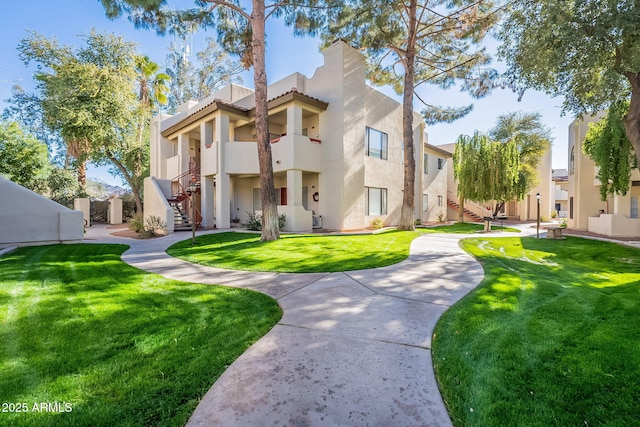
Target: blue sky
<point>66,19</point>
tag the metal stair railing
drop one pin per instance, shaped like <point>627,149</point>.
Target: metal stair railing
<point>180,193</point>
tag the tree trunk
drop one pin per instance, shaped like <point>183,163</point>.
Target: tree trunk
<point>407,213</point>
<point>130,180</point>
<point>499,206</point>
<point>461,209</point>
<point>632,119</point>
<point>270,230</point>
<point>82,174</point>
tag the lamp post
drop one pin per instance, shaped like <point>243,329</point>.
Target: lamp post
<point>538,217</point>
<point>192,191</point>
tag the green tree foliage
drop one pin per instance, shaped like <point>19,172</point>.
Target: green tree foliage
<point>25,108</point>
<point>502,165</point>
<point>606,143</point>
<point>23,158</point>
<point>98,97</point>
<point>212,70</point>
<point>411,43</point>
<point>62,186</point>
<point>486,169</point>
<point>587,51</point>
<point>532,140</point>
<point>240,31</point>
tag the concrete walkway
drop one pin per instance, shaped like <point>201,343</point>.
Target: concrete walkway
<point>352,348</point>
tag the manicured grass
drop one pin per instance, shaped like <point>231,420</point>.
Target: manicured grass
<point>464,228</point>
<point>296,253</point>
<point>551,336</point>
<point>121,346</point>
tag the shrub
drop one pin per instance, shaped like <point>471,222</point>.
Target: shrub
<point>282,221</point>
<point>554,214</point>
<point>377,223</point>
<point>441,217</point>
<point>563,223</point>
<point>136,223</point>
<point>154,225</point>
<point>254,222</point>
<point>418,221</point>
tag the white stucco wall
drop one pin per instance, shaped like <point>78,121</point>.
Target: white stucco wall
<point>433,184</point>
<point>27,218</point>
<point>586,195</point>
<point>156,192</point>
<point>335,161</point>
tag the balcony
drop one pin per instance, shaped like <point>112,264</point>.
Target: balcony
<point>561,195</point>
<point>288,152</point>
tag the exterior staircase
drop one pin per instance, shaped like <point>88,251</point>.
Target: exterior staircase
<point>181,220</point>
<point>467,212</point>
<point>182,200</point>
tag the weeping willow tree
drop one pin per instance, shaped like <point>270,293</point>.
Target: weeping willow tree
<point>606,143</point>
<point>486,170</point>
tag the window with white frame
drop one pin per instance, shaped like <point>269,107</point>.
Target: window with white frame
<point>440,163</point>
<point>439,200</point>
<point>376,143</point>
<point>425,203</point>
<point>376,201</point>
<point>257,199</point>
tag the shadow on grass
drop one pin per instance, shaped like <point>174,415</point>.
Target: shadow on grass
<point>122,346</point>
<point>549,338</point>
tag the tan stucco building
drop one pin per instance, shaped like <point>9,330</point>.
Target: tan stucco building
<point>616,216</point>
<point>336,145</point>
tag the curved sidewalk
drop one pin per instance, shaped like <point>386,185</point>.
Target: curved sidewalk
<point>352,348</point>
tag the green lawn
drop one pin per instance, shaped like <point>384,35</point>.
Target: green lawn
<point>296,253</point>
<point>464,228</point>
<point>550,338</point>
<point>121,346</point>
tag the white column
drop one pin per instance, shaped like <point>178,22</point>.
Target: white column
<point>207,196</point>
<point>115,211</point>
<point>294,187</point>
<point>207,191</point>
<point>294,120</point>
<point>223,193</point>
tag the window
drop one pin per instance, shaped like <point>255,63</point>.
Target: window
<point>634,207</point>
<point>425,203</point>
<point>439,200</point>
<point>257,199</point>
<point>572,161</point>
<point>440,163</point>
<point>376,201</point>
<point>570,207</point>
<point>376,143</point>
<point>425,163</point>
